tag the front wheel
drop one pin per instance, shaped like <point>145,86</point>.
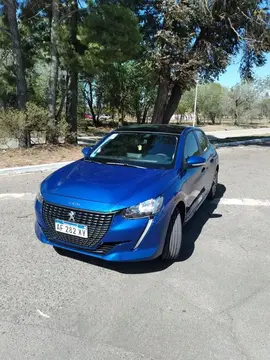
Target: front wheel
<point>173,240</point>
<point>212,193</point>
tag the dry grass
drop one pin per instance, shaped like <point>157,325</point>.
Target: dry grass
<point>45,154</point>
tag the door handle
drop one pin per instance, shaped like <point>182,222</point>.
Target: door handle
<point>203,170</point>
<point>212,160</point>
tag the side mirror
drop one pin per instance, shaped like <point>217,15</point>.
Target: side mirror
<point>195,161</point>
<point>86,151</point>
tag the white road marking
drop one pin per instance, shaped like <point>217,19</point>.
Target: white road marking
<point>42,314</point>
<point>24,196</point>
<point>222,201</point>
<point>242,202</point>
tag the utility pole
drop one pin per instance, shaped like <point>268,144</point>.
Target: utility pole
<point>195,103</point>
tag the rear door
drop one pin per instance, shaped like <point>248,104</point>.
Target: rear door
<point>193,186</point>
<point>207,153</point>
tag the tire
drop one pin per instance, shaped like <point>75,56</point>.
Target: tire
<point>173,242</point>
<point>212,192</point>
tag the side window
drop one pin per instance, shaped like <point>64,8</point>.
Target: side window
<point>203,141</point>
<point>191,146</point>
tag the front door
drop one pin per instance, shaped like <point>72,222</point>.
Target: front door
<point>193,178</point>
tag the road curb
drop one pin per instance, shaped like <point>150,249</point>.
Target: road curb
<point>55,166</point>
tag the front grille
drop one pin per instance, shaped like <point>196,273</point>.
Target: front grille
<point>98,224</point>
<point>103,249</point>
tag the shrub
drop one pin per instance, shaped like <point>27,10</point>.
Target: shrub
<point>16,124</point>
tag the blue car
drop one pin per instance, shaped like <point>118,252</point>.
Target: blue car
<point>128,198</point>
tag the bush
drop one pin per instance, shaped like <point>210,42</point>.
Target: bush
<point>16,124</point>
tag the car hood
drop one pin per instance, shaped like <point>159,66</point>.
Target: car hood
<point>111,184</point>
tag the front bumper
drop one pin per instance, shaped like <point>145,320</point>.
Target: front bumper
<point>126,240</point>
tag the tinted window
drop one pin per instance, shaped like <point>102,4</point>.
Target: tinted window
<point>203,141</point>
<point>191,146</point>
<point>141,149</point>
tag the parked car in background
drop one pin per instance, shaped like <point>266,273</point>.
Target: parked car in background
<point>88,117</point>
<point>128,198</point>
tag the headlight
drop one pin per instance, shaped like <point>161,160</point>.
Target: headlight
<point>144,209</point>
<point>39,197</point>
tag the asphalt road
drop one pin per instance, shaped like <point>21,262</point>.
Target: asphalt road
<point>212,304</point>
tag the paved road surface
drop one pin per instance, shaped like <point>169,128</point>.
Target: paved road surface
<point>213,304</point>
<point>238,133</point>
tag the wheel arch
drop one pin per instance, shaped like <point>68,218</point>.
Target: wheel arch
<point>182,209</point>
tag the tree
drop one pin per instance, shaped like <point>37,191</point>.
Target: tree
<point>72,95</point>
<point>186,104</point>
<point>209,101</point>
<point>110,37</point>
<point>10,10</point>
<point>54,63</point>
<point>200,37</point>
<point>242,101</point>
<point>141,89</point>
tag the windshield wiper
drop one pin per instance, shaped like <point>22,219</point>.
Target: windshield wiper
<point>94,161</point>
<point>125,164</point>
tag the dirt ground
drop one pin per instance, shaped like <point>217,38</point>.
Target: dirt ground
<point>45,154</point>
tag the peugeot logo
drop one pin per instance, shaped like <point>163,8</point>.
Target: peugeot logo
<point>71,215</point>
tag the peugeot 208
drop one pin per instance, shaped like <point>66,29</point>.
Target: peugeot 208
<point>128,198</point>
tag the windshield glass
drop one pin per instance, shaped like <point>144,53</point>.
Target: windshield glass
<point>139,149</point>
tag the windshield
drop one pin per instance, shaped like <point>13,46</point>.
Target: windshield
<point>139,149</point>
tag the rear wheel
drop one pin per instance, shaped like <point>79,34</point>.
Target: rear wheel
<point>173,241</point>
<point>212,193</point>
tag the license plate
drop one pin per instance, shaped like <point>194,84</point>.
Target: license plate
<point>69,228</point>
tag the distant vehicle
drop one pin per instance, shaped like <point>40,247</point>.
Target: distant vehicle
<point>88,116</point>
<point>101,117</point>
<point>131,194</point>
<point>105,117</point>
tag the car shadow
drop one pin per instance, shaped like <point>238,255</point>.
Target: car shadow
<point>193,228</point>
<point>191,233</point>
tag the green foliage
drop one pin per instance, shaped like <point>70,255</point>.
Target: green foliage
<point>201,36</point>
<point>14,123</point>
<point>123,50</point>
<point>128,88</point>
<point>142,82</point>
<point>186,104</point>
<point>245,102</point>
<point>110,34</point>
<point>209,100</point>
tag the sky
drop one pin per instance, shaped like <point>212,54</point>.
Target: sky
<point>231,77</point>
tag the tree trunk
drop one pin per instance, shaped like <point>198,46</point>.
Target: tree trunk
<point>138,116</point>
<point>10,8</point>
<point>72,99</point>
<point>64,90</point>
<point>145,114</point>
<point>90,100</point>
<point>213,119</point>
<point>52,93</point>
<point>161,101</point>
<point>172,104</point>
<point>166,102</point>
<point>73,86</point>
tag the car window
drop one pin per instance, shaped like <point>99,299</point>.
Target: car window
<point>141,149</point>
<point>191,146</point>
<point>203,141</point>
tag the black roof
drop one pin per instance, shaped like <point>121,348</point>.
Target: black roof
<point>159,128</point>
